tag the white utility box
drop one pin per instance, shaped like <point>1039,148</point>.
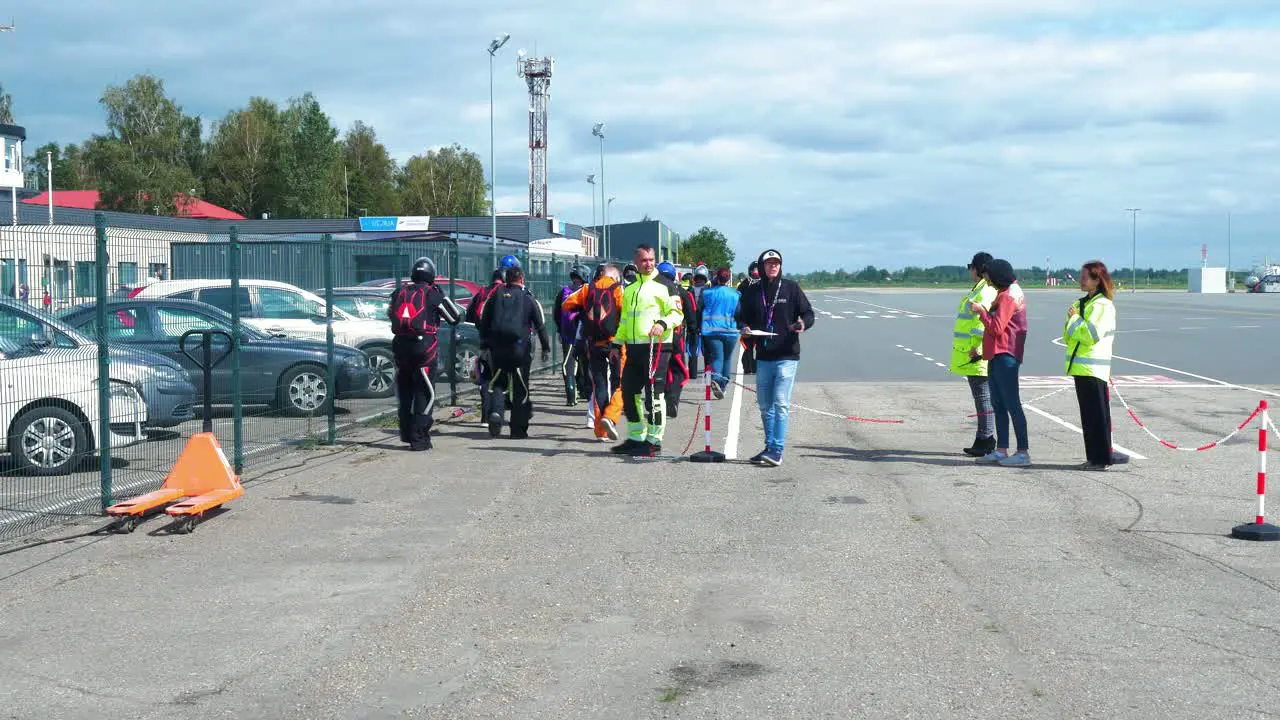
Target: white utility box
<point>1207,280</point>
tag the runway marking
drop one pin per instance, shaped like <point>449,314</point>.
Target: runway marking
<point>735,412</point>
<point>1190,328</point>
<point>898,310</point>
<point>918,354</point>
<point>1220,383</point>
<point>1069,426</point>
<point>1245,327</point>
<point>864,317</point>
<point>939,364</point>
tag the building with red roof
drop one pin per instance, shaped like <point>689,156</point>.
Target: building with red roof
<point>88,200</point>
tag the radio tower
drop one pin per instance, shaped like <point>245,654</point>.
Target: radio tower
<point>537,73</point>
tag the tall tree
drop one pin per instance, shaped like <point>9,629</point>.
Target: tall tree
<point>448,181</point>
<point>66,176</point>
<point>312,162</point>
<point>6,107</point>
<point>708,246</point>
<point>143,161</point>
<point>244,160</point>
<point>370,173</point>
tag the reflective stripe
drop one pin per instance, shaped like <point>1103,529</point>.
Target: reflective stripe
<point>1096,362</point>
<point>966,316</point>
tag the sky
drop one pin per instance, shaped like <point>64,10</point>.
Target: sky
<point>842,133</point>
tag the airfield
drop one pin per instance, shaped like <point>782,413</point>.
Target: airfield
<point>877,573</point>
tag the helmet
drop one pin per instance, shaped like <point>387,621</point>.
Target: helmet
<point>508,262</point>
<point>666,268</point>
<point>423,270</point>
<point>630,272</point>
<point>578,271</point>
<point>702,272</point>
<point>753,269</point>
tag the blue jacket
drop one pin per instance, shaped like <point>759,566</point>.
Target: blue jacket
<point>719,304</point>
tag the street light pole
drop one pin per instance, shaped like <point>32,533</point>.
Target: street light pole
<point>1230,276</point>
<point>493,188</point>
<point>598,131</point>
<point>592,179</point>
<point>1134,268</point>
<point>607,212</point>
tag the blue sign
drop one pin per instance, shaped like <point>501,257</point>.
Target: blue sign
<point>395,224</point>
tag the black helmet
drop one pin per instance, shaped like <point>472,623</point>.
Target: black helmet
<point>578,271</point>
<point>423,270</point>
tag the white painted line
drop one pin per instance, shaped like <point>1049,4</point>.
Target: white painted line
<point>1245,327</point>
<point>833,317</point>
<point>914,353</point>
<point>941,365</point>
<point>914,317</point>
<point>1220,383</point>
<point>896,346</point>
<point>735,412</point>
<point>930,359</point>
<point>907,349</point>
<point>900,310</point>
<point>867,317</point>
<point>1069,426</point>
<point>1191,328</point>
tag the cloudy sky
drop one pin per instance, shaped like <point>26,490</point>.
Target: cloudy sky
<point>843,132</point>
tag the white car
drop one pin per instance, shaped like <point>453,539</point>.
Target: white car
<point>49,419</point>
<point>289,311</point>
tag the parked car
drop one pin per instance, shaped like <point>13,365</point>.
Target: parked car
<point>370,303</point>
<point>464,290</point>
<point>163,383</point>
<point>49,419</point>
<point>284,310</point>
<point>288,374</point>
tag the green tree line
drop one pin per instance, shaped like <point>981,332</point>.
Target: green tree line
<point>284,161</point>
<point>959,275</point>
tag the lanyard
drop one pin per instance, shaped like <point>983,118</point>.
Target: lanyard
<point>764,300</point>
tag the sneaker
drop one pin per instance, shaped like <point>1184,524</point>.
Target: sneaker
<point>991,458</point>
<point>758,458</point>
<point>626,447</point>
<point>609,428</point>
<point>1119,458</point>
<point>646,449</point>
<point>772,458</point>
<point>717,390</point>
<point>1090,467</point>
<point>1019,459</point>
<point>495,424</point>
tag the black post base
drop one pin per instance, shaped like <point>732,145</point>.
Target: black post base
<point>707,456</point>
<point>1265,532</point>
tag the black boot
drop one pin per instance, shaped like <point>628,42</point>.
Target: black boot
<point>981,446</point>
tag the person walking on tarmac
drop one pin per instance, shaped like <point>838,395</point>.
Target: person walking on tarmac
<point>720,333</point>
<point>775,305</point>
<point>1089,335</point>
<point>651,311</point>
<point>678,368</point>
<point>416,311</point>
<point>567,325</point>
<point>701,281</point>
<point>504,334</point>
<point>966,353</point>
<point>483,372</point>
<point>749,343</point>
<point>1004,339</point>
<point>600,305</point>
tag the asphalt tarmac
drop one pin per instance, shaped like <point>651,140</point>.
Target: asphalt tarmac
<point>877,573</point>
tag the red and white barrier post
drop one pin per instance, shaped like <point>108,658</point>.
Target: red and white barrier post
<point>707,455</point>
<point>1260,529</point>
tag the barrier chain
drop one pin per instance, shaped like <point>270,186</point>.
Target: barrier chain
<point>1032,401</point>
<point>837,416</point>
<point>1261,408</point>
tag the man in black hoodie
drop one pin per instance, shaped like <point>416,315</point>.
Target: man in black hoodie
<point>778,306</point>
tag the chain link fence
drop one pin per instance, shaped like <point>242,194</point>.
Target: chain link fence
<point>102,350</point>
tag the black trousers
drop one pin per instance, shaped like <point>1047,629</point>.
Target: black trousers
<point>644,406</point>
<point>677,374</point>
<point>574,369</point>
<point>510,386</point>
<point>606,373</point>
<point>748,356</point>
<point>1095,418</point>
<point>693,351</point>
<point>415,388</point>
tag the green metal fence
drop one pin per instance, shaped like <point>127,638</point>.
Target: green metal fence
<point>92,321</point>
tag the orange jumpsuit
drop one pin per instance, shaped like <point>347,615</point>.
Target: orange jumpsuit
<point>603,369</point>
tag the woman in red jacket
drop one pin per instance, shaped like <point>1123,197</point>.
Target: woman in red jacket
<point>1002,347</point>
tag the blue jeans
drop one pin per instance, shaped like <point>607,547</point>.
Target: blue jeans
<point>774,380</point>
<point>1005,401</point>
<point>718,350</point>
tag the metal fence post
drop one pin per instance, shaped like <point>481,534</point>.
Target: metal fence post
<point>237,404</point>
<point>330,374</point>
<point>453,329</point>
<point>104,358</point>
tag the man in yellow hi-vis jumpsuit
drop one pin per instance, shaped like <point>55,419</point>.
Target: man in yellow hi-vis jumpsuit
<point>651,311</point>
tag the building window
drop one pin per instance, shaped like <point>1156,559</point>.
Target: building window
<point>128,273</point>
<point>86,278</point>
<point>159,271</point>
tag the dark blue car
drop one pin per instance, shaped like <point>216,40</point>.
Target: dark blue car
<point>287,374</point>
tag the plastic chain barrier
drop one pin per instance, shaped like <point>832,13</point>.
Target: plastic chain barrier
<point>1032,401</point>
<point>837,416</point>
<point>1172,446</point>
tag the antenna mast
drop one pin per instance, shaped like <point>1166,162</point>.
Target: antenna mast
<point>537,73</point>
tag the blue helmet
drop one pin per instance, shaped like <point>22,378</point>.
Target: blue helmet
<point>666,268</point>
<point>508,262</point>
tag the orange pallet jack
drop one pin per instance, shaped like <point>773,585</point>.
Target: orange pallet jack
<point>201,480</point>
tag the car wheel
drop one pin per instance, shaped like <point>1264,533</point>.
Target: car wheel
<point>382,366</point>
<point>304,391</point>
<point>48,441</point>
<point>464,360</point>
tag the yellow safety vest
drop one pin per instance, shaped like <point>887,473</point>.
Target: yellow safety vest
<point>1089,337</point>
<point>966,334</point>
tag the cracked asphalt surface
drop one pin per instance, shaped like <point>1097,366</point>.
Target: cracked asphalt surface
<point>877,573</point>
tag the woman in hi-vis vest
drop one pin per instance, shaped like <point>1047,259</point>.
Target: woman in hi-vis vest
<point>966,354</point>
<point>1089,334</point>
